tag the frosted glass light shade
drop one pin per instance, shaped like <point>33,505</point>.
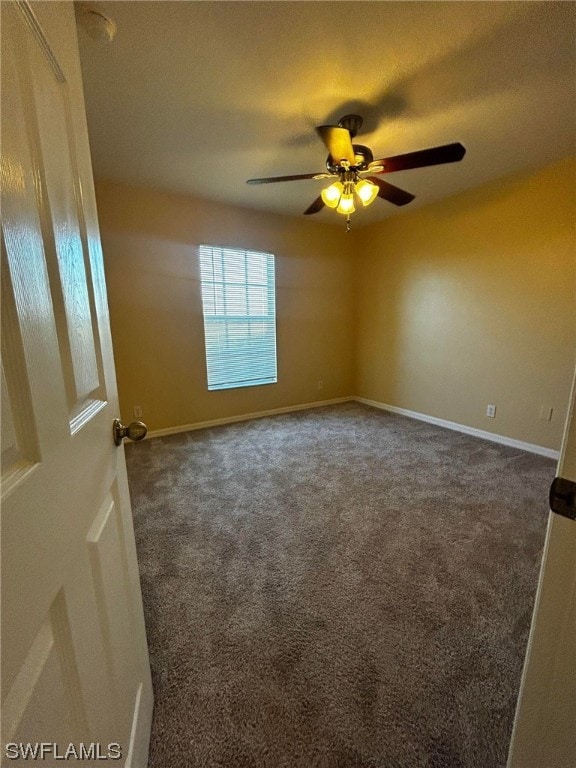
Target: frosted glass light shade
<point>346,204</point>
<point>366,191</point>
<point>331,195</point>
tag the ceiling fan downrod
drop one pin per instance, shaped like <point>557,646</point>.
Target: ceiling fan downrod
<point>352,123</point>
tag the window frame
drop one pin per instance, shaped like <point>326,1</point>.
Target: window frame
<point>240,348</point>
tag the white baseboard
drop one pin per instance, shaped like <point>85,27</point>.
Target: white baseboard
<point>245,417</point>
<point>539,449</point>
<point>530,447</point>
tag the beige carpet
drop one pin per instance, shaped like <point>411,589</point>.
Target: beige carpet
<point>338,588</point>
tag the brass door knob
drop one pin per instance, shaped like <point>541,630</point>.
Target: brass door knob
<point>135,431</point>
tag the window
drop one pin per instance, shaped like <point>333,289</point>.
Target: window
<point>239,317</point>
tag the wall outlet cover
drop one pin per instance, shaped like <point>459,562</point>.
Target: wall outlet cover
<point>546,413</point>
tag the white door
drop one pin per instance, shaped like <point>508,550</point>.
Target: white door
<point>544,733</point>
<point>75,665</point>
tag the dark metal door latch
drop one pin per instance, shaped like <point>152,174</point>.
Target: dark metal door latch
<point>563,497</point>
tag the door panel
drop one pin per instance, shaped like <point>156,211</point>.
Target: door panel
<point>67,261</point>
<point>46,696</point>
<point>545,726</point>
<point>112,592</point>
<point>48,113</point>
<point>74,657</point>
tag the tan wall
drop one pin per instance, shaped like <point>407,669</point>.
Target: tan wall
<point>471,301</point>
<point>148,238</point>
<point>466,302</point>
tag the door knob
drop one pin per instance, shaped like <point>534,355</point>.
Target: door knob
<point>135,431</point>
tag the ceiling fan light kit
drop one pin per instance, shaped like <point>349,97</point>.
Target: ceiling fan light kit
<point>340,195</point>
<point>356,171</point>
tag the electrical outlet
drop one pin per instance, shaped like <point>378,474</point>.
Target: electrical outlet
<point>491,411</point>
<point>320,385</point>
<point>137,411</point>
<point>546,413</point>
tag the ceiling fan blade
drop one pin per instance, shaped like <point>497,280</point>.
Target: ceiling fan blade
<point>316,206</point>
<point>338,143</point>
<point>273,179</point>
<point>448,153</point>
<point>390,192</point>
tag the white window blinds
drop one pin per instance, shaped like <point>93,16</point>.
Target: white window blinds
<point>239,305</point>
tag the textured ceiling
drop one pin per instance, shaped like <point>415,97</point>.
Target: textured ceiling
<point>197,97</point>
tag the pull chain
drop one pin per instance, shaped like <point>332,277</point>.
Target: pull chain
<point>348,223</point>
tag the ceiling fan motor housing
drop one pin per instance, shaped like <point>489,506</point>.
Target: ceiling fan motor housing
<point>363,157</point>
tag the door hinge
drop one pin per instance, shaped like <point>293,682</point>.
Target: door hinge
<point>563,497</point>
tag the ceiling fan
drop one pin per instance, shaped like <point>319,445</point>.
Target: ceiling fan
<point>356,171</point>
